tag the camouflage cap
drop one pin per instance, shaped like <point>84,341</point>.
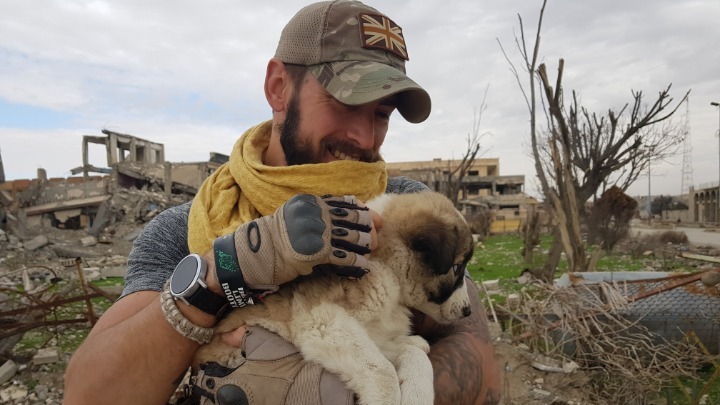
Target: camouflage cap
<point>357,53</point>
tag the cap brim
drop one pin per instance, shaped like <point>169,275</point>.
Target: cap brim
<point>361,82</point>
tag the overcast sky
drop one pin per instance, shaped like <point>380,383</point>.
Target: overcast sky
<point>189,74</point>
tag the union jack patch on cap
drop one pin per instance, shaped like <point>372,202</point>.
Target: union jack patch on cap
<point>381,32</point>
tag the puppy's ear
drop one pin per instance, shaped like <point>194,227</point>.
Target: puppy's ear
<point>435,242</point>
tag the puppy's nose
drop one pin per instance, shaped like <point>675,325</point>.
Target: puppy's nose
<point>466,311</point>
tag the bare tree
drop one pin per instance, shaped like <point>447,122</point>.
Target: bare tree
<point>456,174</point>
<point>579,151</point>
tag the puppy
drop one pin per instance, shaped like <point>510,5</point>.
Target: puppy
<point>360,330</point>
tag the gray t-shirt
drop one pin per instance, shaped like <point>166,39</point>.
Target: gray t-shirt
<point>163,242</point>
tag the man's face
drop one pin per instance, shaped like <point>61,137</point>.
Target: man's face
<point>320,129</point>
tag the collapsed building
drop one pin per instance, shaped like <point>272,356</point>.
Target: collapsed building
<point>79,229</point>
<point>136,185</point>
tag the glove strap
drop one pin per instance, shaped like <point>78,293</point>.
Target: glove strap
<point>229,274</point>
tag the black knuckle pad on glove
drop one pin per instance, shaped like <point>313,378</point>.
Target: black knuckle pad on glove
<point>360,220</point>
<point>354,241</point>
<point>346,201</point>
<point>305,227</point>
<point>231,395</point>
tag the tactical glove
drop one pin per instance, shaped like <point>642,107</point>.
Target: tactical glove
<point>268,371</point>
<point>304,234</point>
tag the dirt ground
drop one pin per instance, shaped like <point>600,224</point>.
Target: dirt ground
<point>43,384</point>
<point>524,384</point>
<point>34,384</point>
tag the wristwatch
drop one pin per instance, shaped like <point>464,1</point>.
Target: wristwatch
<point>187,283</point>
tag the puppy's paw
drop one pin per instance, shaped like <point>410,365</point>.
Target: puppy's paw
<point>415,374</point>
<point>416,341</point>
<point>219,352</point>
<point>416,386</point>
<point>232,359</point>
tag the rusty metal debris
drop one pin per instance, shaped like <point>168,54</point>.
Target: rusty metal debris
<point>38,308</point>
<point>668,305</point>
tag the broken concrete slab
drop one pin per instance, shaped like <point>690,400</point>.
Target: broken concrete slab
<point>65,251</point>
<point>64,205</point>
<point>7,371</point>
<point>101,219</point>
<point>46,355</point>
<point>36,242</point>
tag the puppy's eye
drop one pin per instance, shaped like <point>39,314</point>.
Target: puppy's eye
<point>421,245</point>
<point>458,268</point>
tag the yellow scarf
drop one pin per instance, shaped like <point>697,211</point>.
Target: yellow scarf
<point>244,188</point>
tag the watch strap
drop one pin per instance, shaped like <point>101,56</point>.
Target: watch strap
<point>208,301</point>
<point>229,274</point>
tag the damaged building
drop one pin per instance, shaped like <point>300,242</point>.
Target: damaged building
<point>481,189</point>
<point>135,185</point>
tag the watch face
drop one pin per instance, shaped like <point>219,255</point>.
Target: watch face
<point>185,274</point>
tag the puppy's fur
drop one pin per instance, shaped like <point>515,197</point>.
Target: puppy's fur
<point>361,329</point>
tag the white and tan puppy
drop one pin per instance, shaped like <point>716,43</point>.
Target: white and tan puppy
<point>360,330</point>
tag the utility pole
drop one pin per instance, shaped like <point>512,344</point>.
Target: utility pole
<point>649,205</point>
<point>717,197</point>
<point>687,169</point>
<point>2,170</point>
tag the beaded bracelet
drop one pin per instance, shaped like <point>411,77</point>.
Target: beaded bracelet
<point>179,322</point>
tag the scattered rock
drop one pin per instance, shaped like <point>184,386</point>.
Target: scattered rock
<point>13,392</point>
<point>36,242</point>
<point>45,356</point>
<point>513,300</point>
<point>541,393</point>
<point>711,278</point>
<point>7,371</point>
<point>88,241</point>
<point>492,285</point>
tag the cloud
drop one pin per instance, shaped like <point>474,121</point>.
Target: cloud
<point>189,74</point>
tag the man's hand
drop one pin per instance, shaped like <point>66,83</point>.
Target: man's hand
<point>304,234</point>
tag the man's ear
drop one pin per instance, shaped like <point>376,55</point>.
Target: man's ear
<point>278,85</point>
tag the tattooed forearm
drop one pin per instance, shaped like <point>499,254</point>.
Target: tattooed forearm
<point>461,373</point>
<point>466,372</point>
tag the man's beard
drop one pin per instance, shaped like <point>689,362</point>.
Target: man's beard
<point>299,152</point>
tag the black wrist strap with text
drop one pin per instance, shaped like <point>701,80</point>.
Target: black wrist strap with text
<point>227,269</point>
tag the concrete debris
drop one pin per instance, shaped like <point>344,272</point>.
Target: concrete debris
<point>492,285</point>
<point>513,300</point>
<point>13,393</point>
<point>541,393</point>
<point>66,251</point>
<point>7,371</point>
<point>88,241</point>
<point>36,242</point>
<point>58,234</point>
<point>137,185</point>
<point>45,356</point>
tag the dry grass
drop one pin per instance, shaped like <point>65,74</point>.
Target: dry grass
<point>627,363</point>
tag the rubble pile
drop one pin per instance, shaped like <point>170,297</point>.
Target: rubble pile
<point>59,234</point>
